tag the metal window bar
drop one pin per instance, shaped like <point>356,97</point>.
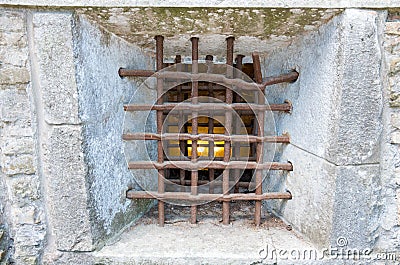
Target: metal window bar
<point>231,141</point>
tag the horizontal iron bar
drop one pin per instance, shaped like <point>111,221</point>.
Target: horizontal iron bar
<point>218,182</point>
<point>209,107</point>
<point>214,78</point>
<point>188,165</point>
<point>206,137</point>
<point>135,73</point>
<point>207,197</point>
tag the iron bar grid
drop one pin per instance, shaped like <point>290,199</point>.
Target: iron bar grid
<point>194,108</point>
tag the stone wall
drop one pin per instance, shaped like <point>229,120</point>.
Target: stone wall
<point>390,221</point>
<point>22,201</point>
<point>62,169</point>
<point>335,127</point>
<point>101,95</point>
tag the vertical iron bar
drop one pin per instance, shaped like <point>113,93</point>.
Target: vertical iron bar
<point>182,146</point>
<point>161,185</point>
<point>211,171</point>
<point>195,94</point>
<point>236,145</point>
<point>228,127</point>
<point>260,130</point>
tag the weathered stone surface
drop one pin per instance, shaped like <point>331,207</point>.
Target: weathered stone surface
<point>395,120</point>
<point>20,128</point>
<point>21,164</point>
<point>312,184</point>
<point>312,124</point>
<point>102,94</point>
<point>16,56</point>
<point>13,75</point>
<point>254,29</point>
<point>360,109</point>
<point>356,205</point>
<point>54,49</point>
<point>395,138</point>
<point>66,172</point>
<point>25,190</point>
<point>12,21</point>
<point>336,106</point>
<point>16,39</point>
<point>5,242</point>
<point>211,3</point>
<point>14,106</point>
<point>12,146</point>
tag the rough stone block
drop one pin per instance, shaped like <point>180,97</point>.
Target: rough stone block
<point>24,190</point>
<point>54,49</point>
<point>20,128</point>
<point>15,56</point>
<point>356,205</point>
<point>12,21</point>
<point>25,215</point>
<point>312,124</point>
<point>360,124</point>
<point>394,99</point>
<point>395,138</point>
<point>66,173</point>
<point>395,120</point>
<point>14,87</point>
<point>14,105</point>
<point>312,184</point>
<point>17,39</point>
<point>21,164</point>
<point>12,146</point>
<point>14,75</point>
<point>392,28</point>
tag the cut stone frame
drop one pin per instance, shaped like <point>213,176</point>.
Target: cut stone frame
<point>193,122</point>
<point>335,155</point>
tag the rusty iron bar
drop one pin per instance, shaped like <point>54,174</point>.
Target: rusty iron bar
<point>122,72</point>
<point>228,128</point>
<point>236,145</point>
<point>188,165</point>
<point>194,101</point>
<point>236,152</point>
<point>257,67</point>
<point>286,107</point>
<point>211,171</point>
<point>160,114</point>
<point>182,144</point>
<point>205,182</point>
<point>131,194</point>
<point>292,76</point>
<point>260,133</point>
<point>284,78</point>
<point>206,137</point>
<point>239,74</point>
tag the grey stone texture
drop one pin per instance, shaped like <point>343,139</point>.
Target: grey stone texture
<point>67,194</point>
<point>62,160</point>
<point>357,205</point>
<point>60,134</point>
<point>389,233</point>
<point>336,129</point>
<point>102,94</point>
<point>209,3</point>
<point>54,50</point>
<point>22,220</point>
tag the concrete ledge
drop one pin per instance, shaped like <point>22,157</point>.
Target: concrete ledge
<point>208,3</point>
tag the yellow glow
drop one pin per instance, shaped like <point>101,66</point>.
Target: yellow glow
<point>219,151</point>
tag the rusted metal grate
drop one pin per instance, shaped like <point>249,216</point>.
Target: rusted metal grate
<point>200,133</point>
